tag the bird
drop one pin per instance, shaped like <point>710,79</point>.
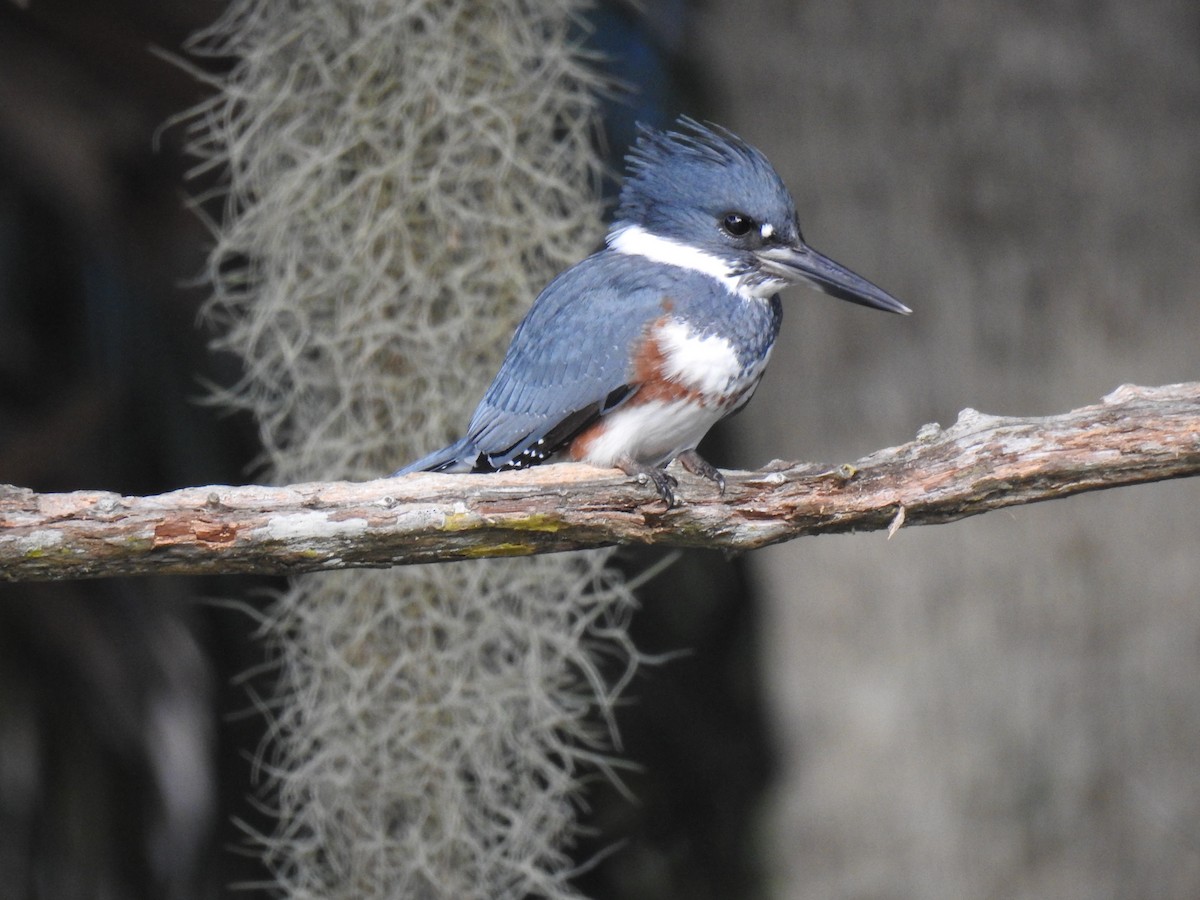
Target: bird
<point>627,359</point>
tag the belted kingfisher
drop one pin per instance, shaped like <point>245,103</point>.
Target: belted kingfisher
<point>628,358</point>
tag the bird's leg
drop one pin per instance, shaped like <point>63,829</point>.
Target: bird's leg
<point>663,482</point>
<point>698,465</point>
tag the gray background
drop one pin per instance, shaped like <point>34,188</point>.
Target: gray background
<point>1007,706</point>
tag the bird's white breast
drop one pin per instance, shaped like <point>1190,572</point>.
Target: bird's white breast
<point>653,433</point>
<point>707,365</point>
<point>698,381</point>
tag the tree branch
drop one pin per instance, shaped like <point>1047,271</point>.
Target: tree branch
<point>979,464</point>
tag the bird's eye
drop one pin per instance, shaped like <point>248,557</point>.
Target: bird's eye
<point>737,224</point>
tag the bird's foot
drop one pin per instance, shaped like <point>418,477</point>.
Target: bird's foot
<point>663,482</point>
<point>698,465</point>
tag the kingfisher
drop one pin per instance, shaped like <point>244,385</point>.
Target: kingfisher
<point>628,358</point>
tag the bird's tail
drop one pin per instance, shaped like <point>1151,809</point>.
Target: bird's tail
<point>458,457</point>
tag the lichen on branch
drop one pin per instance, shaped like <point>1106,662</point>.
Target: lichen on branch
<point>978,464</point>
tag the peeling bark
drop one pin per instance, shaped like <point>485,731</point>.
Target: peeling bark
<point>979,464</point>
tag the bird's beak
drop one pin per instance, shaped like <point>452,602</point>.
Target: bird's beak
<point>800,262</point>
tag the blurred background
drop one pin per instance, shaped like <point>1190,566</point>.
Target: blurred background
<point>1003,707</point>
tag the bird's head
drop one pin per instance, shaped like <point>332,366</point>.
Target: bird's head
<point>703,198</point>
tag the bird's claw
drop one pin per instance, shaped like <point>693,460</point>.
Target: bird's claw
<point>663,481</point>
<point>698,465</point>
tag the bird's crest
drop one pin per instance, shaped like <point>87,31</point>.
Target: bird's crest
<point>693,160</point>
<point>693,142</point>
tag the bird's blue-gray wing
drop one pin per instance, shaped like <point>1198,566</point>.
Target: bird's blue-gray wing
<point>570,361</point>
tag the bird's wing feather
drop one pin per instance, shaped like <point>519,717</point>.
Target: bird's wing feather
<point>570,361</point>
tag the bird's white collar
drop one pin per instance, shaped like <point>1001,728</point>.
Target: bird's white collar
<point>634,240</point>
